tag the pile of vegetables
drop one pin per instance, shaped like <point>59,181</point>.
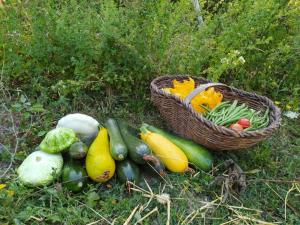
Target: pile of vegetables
<point>233,115</point>
<point>79,148</point>
<point>77,151</point>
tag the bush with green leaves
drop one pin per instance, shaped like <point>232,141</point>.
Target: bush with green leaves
<point>116,46</point>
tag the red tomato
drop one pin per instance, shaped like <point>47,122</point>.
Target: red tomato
<point>236,127</point>
<point>244,122</point>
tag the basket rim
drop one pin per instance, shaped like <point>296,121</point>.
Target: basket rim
<point>222,129</point>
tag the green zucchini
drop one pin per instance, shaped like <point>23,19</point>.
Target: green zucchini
<point>78,150</point>
<point>128,171</point>
<point>132,130</point>
<point>196,154</point>
<point>74,176</point>
<point>138,151</point>
<point>118,148</point>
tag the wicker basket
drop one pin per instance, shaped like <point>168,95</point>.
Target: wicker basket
<point>188,123</point>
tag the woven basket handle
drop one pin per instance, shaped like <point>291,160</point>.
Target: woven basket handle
<point>199,89</point>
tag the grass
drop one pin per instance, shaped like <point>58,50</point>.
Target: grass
<point>272,171</point>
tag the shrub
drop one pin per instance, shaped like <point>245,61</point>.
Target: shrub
<point>86,46</point>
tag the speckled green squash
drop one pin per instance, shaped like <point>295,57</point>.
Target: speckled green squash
<point>74,176</point>
<point>58,140</point>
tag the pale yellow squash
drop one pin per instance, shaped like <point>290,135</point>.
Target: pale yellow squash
<point>100,166</point>
<point>172,157</point>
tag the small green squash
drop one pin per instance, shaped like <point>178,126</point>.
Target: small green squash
<point>78,150</point>
<point>74,176</point>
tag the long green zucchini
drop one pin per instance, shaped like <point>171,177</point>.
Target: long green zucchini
<point>118,148</point>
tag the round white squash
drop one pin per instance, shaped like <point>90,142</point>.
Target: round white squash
<point>40,168</point>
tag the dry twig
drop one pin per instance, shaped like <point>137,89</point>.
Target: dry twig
<point>275,181</point>
<point>15,134</point>
<point>294,187</point>
<point>255,220</point>
<point>147,215</point>
<point>162,198</point>
<point>131,215</point>
<point>286,204</point>
<point>98,214</point>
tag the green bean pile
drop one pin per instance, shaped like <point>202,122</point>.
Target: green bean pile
<point>227,113</point>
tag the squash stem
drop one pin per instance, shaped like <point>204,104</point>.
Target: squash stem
<point>156,163</point>
<point>144,130</point>
<point>189,170</point>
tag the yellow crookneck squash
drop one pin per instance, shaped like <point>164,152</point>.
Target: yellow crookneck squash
<point>172,156</point>
<point>100,166</point>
